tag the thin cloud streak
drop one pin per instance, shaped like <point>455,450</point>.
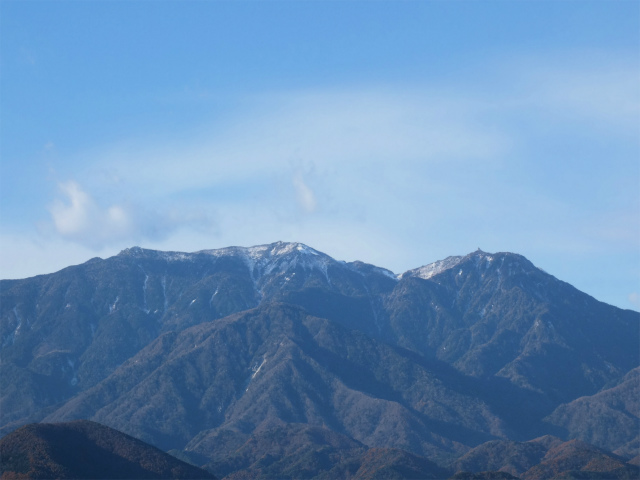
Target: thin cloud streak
<point>329,129</point>
<point>396,126</point>
<point>306,198</point>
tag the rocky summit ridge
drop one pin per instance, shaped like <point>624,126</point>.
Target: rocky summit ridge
<point>277,360</point>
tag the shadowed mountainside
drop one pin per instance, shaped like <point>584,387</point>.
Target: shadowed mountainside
<point>84,449</point>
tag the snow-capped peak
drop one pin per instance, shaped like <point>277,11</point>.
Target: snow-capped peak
<point>143,252</point>
<point>428,271</point>
<point>505,264</point>
<point>435,268</point>
<point>281,248</point>
<point>279,256</point>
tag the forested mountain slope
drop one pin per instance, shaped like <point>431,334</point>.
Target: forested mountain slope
<point>206,352</point>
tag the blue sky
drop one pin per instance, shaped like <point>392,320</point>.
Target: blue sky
<point>396,133</point>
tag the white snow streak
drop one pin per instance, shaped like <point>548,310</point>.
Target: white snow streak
<point>164,292</point>
<point>112,307</point>
<point>255,369</point>
<point>144,293</point>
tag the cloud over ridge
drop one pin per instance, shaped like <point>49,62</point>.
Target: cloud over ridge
<point>79,218</point>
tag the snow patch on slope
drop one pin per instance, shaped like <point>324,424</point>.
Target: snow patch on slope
<point>277,257</point>
<point>385,272</point>
<point>138,252</point>
<point>432,269</point>
<point>254,369</point>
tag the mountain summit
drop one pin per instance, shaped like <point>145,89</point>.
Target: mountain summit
<point>287,353</point>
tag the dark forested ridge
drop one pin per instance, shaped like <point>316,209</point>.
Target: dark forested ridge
<point>84,449</point>
<point>279,360</point>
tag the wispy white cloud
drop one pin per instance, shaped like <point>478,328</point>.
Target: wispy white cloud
<point>304,194</point>
<point>79,218</point>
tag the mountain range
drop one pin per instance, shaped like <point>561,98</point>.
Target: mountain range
<point>279,361</point>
